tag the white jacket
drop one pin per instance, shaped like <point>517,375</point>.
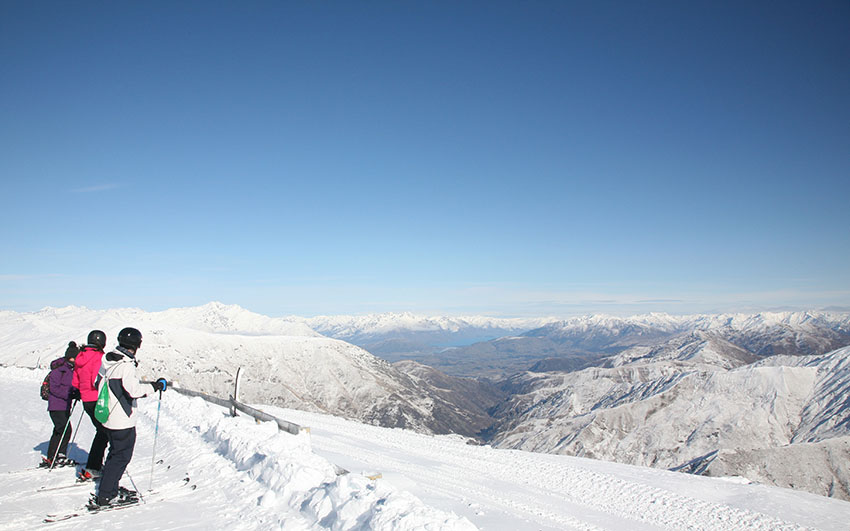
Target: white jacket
<point>118,371</point>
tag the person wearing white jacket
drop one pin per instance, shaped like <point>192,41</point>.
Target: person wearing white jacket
<point>118,374</point>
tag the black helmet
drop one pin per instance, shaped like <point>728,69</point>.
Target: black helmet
<point>130,338</point>
<point>97,338</point>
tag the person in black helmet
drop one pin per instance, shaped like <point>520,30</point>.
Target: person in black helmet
<point>118,375</point>
<point>85,375</point>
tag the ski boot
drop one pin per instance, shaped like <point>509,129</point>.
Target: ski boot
<point>88,474</point>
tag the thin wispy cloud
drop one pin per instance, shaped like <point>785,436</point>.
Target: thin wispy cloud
<point>22,277</point>
<point>96,188</point>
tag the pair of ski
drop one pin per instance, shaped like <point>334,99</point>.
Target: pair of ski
<point>89,509</point>
<point>92,509</point>
<point>39,468</point>
<point>78,483</point>
<point>81,482</point>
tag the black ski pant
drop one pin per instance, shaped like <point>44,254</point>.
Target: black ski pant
<point>121,444</point>
<point>57,440</point>
<point>101,439</point>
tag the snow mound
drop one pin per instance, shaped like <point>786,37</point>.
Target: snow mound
<point>294,480</point>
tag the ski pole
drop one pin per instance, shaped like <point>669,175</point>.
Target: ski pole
<point>155,434</point>
<point>59,446</point>
<point>75,432</point>
<point>142,498</point>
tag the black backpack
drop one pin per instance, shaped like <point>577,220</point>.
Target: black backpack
<point>45,387</point>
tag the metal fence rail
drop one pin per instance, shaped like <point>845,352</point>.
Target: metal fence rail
<point>209,398</point>
<point>283,425</point>
<point>234,405</point>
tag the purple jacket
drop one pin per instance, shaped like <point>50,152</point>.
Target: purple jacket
<point>60,385</point>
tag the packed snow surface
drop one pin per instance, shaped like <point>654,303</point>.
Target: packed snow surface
<point>245,475</point>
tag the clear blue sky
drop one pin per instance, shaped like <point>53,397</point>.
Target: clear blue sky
<point>503,158</point>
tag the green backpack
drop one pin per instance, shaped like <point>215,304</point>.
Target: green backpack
<point>101,409</point>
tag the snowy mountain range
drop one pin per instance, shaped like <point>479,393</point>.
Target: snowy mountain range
<point>497,348</point>
<point>712,394</point>
<point>378,326</point>
<point>405,336</point>
<point>696,404</point>
<point>763,396</point>
<point>283,362</point>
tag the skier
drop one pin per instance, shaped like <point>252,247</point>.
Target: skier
<point>118,374</point>
<point>85,375</point>
<point>62,394</point>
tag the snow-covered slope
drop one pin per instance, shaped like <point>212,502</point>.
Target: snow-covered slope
<point>249,476</point>
<point>284,362</point>
<point>698,348</point>
<point>827,411</point>
<point>678,410</point>
<point>241,475</point>
<point>222,318</point>
<point>34,338</point>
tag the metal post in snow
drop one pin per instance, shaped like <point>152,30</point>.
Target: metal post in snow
<point>235,397</point>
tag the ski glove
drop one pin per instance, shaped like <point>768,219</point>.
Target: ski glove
<point>160,384</point>
<point>74,394</point>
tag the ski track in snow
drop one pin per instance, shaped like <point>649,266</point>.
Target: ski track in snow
<point>250,476</point>
<point>551,492</point>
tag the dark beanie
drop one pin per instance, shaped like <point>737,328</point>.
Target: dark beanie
<point>71,351</point>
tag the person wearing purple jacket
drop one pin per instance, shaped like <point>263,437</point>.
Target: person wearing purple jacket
<point>62,393</point>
